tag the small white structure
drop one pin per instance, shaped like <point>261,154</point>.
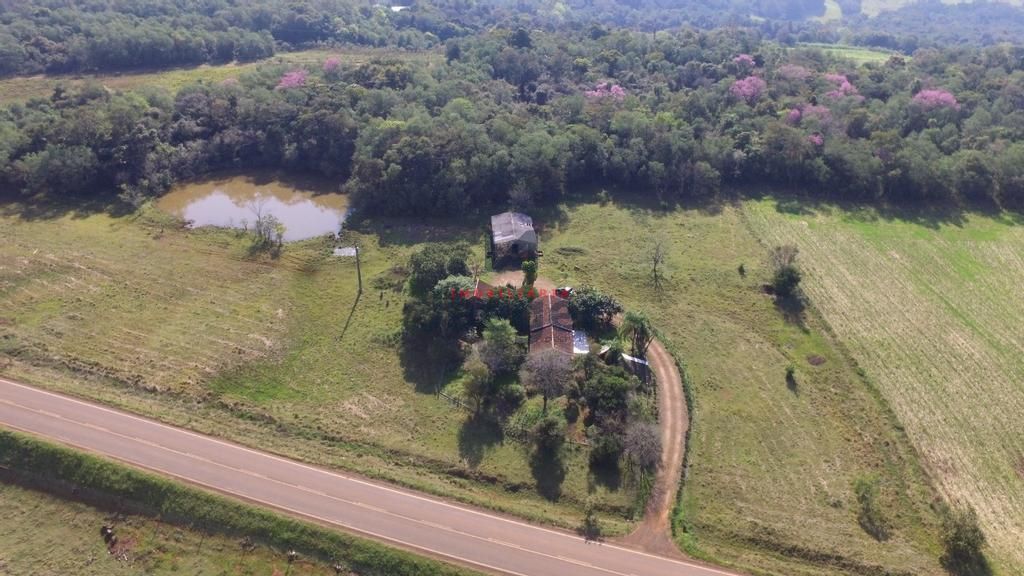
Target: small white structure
<point>345,251</point>
<point>580,345</point>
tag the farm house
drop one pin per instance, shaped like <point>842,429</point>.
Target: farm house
<point>550,324</point>
<point>513,236</point>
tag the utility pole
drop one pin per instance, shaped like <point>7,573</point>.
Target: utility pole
<point>359,271</point>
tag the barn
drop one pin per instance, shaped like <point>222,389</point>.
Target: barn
<point>513,236</point>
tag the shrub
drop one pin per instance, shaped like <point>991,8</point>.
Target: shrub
<point>530,272</point>
<point>593,309</point>
<point>963,541</point>
<point>434,263</point>
<point>869,514</point>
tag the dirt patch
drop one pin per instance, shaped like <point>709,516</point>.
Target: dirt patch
<point>515,278</point>
<point>6,322</point>
<point>1020,468</point>
<point>815,360</point>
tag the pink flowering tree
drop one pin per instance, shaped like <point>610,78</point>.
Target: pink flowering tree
<point>745,63</point>
<point>816,139</point>
<point>812,114</point>
<point>841,87</point>
<point>332,66</point>
<point>606,91</point>
<point>292,79</point>
<point>748,89</point>
<point>935,99</point>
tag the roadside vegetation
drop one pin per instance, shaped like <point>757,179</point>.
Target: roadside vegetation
<point>927,303</point>
<point>158,526</point>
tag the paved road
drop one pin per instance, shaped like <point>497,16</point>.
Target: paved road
<point>398,516</point>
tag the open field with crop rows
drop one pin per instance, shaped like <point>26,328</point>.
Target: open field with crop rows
<point>931,308</point>
<point>772,466</point>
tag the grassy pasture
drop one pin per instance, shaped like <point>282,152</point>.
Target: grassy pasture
<point>43,534</point>
<point>856,54</point>
<point>138,313</point>
<point>932,309</point>
<point>772,467</point>
<point>876,7</point>
<point>41,86</point>
<point>188,327</point>
<point>162,526</point>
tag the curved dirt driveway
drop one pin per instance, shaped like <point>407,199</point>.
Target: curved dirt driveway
<point>654,534</point>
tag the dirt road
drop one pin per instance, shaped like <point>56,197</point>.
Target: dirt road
<point>654,533</point>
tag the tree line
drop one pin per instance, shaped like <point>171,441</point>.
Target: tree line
<point>526,117</point>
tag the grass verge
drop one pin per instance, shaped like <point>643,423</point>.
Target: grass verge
<point>117,487</point>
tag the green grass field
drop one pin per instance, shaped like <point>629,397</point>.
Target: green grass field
<point>22,88</point>
<point>876,7</point>
<point>183,325</point>
<point>136,312</point>
<point>856,54</point>
<point>43,534</point>
<point>770,487</point>
<point>932,310</point>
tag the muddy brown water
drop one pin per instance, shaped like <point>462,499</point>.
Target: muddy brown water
<point>306,207</point>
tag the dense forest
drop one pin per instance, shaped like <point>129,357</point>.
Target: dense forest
<point>62,36</point>
<point>520,117</point>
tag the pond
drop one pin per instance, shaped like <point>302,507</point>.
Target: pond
<point>304,206</point>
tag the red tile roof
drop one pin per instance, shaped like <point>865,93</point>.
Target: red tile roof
<point>550,324</point>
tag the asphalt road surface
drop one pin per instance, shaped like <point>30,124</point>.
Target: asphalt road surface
<point>401,517</point>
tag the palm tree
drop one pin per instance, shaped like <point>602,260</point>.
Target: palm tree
<point>638,328</point>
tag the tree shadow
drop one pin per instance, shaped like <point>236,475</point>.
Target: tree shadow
<point>426,361</point>
<point>793,310</point>
<point>548,471</point>
<point>975,566</point>
<point>608,475</point>
<point>479,432</point>
<point>792,385</point>
<point>408,231</point>
<point>42,207</point>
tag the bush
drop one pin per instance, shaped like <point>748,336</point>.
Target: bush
<point>530,272</point>
<point>434,263</point>
<point>786,277</point>
<point>592,309</point>
<point>869,515</point>
<point>963,541</point>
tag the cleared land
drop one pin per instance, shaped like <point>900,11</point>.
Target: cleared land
<point>772,467</point>
<point>932,309</point>
<point>22,88</point>
<point>856,54</point>
<point>188,327</point>
<point>42,534</point>
<point>876,7</point>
